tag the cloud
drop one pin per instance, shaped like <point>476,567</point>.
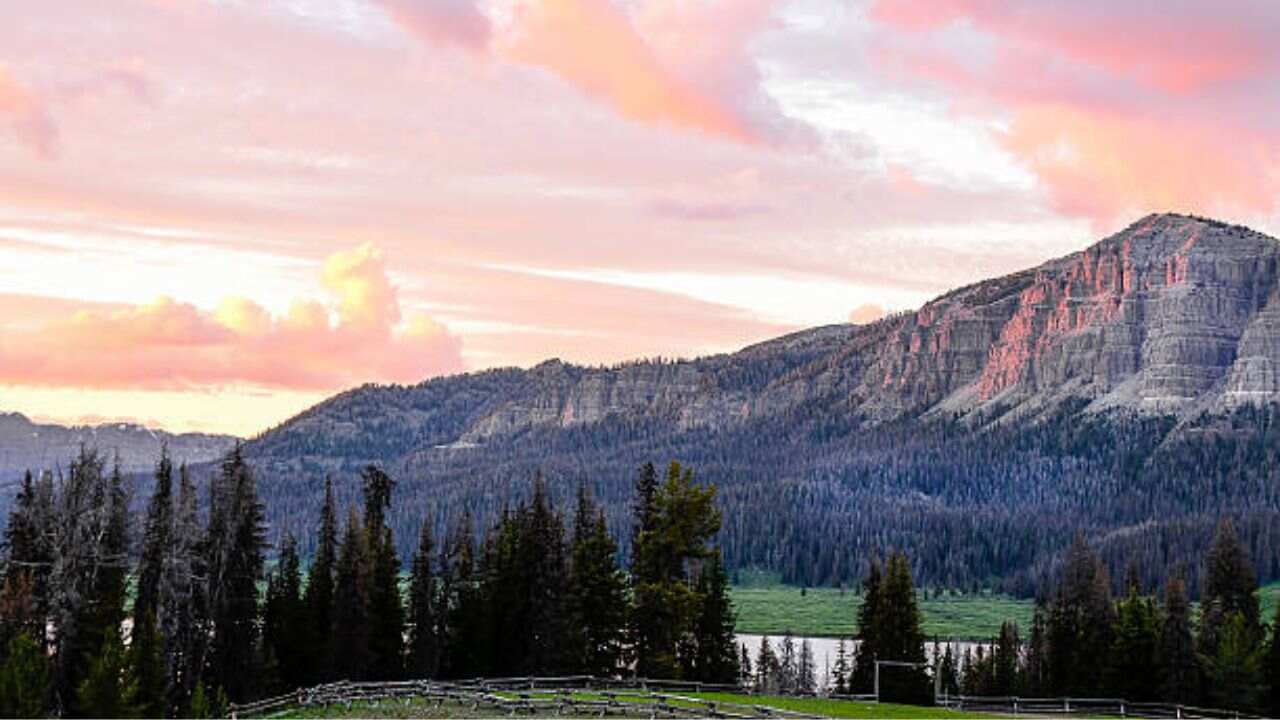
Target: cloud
<point>27,115</point>
<point>593,45</point>
<point>1169,113</point>
<point>866,314</point>
<point>449,22</point>
<point>168,344</point>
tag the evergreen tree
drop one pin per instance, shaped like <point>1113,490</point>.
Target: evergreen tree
<point>787,665</point>
<point>767,669</point>
<point>147,667</point>
<point>155,540</point>
<point>235,542</point>
<point>840,672</point>
<point>1005,660</point>
<point>318,597</point>
<point>108,690</point>
<point>950,672</point>
<point>465,616</point>
<point>285,625</point>
<point>1230,588</point>
<point>1036,674</point>
<point>597,593</point>
<point>899,635</point>
<point>1134,651</point>
<point>746,674</point>
<point>681,520</point>
<point>424,640</point>
<point>713,631</point>
<point>1233,670</point>
<point>806,669</point>
<point>1081,622</point>
<point>25,680</point>
<point>88,548</point>
<point>862,680</point>
<point>385,612</point>
<point>183,618</point>
<point>1178,667</point>
<point>544,575</point>
<point>351,604</point>
<point>24,599</point>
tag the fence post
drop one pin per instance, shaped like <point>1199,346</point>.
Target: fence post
<point>1122,713</point>
<point>1015,706</point>
<point>1066,705</point>
<point>1179,712</point>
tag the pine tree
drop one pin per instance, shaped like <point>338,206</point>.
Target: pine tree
<point>806,669</point>
<point>463,610</point>
<point>787,665</point>
<point>155,540</point>
<point>1233,670</point>
<point>746,674</point>
<point>24,599</point>
<point>1036,675</point>
<point>899,635</point>
<point>108,689</point>
<point>351,604</point>
<point>862,679</point>
<point>717,659</point>
<point>285,626</point>
<point>1178,667</point>
<point>424,640</point>
<point>1005,654</point>
<point>841,670</point>
<point>183,618</point>
<point>318,597</point>
<point>25,679</point>
<point>1081,623</point>
<point>1134,651</point>
<point>385,612</point>
<point>147,667</point>
<point>766,668</point>
<point>545,580</point>
<point>236,539</point>
<point>1230,588</point>
<point>597,593</point>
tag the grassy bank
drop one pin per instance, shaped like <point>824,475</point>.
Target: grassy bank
<point>829,612</point>
<point>773,608</point>
<point>811,706</point>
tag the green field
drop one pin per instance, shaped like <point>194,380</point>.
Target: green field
<point>828,612</point>
<point>769,607</point>
<point>811,706</point>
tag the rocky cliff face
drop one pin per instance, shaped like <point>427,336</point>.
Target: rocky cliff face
<point>1175,314</point>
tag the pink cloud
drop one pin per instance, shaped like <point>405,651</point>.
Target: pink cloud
<point>1117,108</point>
<point>27,115</point>
<point>449,22</point>
<point>594,46</point>
<point>169,344</point>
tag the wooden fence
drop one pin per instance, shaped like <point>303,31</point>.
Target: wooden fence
<point>587,695</point>
<point>1093,707</point>
<point>528,696</point>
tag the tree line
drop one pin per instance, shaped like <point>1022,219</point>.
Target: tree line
<point>182,616</point>
<point>1085,643</point>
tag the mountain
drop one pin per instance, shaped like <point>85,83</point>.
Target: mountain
<point>1127,392</point>
<point>25,445</point>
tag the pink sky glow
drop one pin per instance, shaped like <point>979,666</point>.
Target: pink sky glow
<point>214,213</point>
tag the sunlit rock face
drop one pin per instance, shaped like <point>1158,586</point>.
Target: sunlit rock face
<point>1172,314</point>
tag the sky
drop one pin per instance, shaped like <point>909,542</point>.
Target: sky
<point>215,213</point>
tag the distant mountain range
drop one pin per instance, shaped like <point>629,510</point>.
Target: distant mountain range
<point>1126,391</point>
<point>28,445</point>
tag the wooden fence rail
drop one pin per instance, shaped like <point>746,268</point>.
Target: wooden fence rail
<point>528,696</point>
<point>661,699</point>
<point>1093,707</point>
